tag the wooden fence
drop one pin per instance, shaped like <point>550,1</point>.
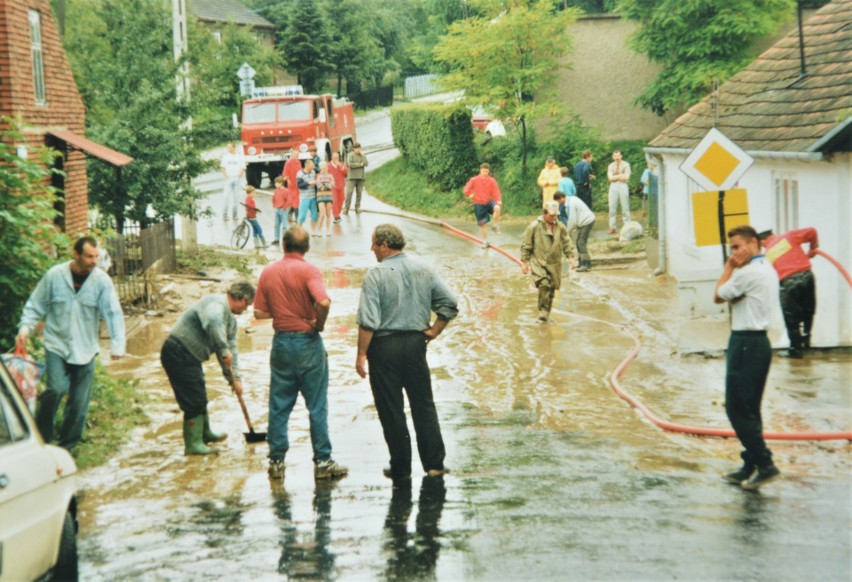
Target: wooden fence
<point>137,255</point>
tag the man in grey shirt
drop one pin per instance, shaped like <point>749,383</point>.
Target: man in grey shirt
<point>207,327</point>
<point>357,162</point>
<point>397,300</point>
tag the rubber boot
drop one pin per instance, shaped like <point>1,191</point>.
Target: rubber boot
<point>263,244</point>
<point>192,437</point>
<point>208,436</point>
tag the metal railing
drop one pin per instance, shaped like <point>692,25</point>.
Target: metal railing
<point>134,252</point>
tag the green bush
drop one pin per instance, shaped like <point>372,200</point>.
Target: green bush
<point>438,140</point>
<point>28,237</point>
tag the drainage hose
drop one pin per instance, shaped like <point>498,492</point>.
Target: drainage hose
<point>637,346</point>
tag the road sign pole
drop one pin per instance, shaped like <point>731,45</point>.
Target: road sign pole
<point>722,233</point>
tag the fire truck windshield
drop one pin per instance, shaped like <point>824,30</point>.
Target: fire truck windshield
<point>259,113</point>
<point>294,111</point>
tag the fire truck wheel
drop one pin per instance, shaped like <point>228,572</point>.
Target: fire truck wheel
<point>254,175</point>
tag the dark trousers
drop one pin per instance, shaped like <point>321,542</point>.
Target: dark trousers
<point>186,377</point>
<point>582,241</point>
<point>584,193</point>
<point>398,362</point>
<point>748,358</point>
<point>798,302</point>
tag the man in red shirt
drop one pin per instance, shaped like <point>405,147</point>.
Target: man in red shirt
<point>291,292</point>
<point>291,170</point>
<point>798,288</point>
<point>485,193</point>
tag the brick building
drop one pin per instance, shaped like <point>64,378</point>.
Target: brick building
<point>36,84</point>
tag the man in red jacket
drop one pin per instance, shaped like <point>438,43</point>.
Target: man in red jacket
<point>798,289</point>
<point>339,170</point>
<point>291,170</point>
<point>485,193</point>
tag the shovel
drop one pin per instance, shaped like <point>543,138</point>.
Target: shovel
<point>251,435</point>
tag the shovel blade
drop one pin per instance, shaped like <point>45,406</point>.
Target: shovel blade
<point>255,437</point>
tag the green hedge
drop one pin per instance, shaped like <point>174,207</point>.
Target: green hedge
<point>438,140</point>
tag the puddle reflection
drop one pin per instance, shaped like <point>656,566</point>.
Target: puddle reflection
<point>308,558</point>
<point>414,555</point>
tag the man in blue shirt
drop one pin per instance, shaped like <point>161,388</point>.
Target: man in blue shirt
<point>583,178</point>
<point>69,299</point>
<point>394,312</point>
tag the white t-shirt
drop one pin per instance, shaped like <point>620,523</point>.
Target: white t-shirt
<point>233,164</point>
<point>756,286</point>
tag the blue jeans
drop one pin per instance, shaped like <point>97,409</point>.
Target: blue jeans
<point>232,193</point>
<point>76,381</point>
<point>280,222</point>
<point>299,365</point>
<point>308,205</point>
<point>255,227</point>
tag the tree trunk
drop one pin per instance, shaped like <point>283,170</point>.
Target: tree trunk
<point>339,83</point>
<point>523,145</point>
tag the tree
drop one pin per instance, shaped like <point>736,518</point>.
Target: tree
<point>351,45</point>
<point>215,86</point>
<point>305,49</point>
<point>28,236</point>
<point>698,42</point>
<point>121,55</point>
<point>506,59</point>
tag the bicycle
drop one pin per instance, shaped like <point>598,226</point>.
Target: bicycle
<point>242,232</point>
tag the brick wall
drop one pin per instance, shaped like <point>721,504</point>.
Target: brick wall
<point>63,108</point>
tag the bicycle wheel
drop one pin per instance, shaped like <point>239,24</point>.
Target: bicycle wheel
<point>241,235</point>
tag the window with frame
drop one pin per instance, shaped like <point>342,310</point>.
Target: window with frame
<point>786,202</point>
<point>37,56</point>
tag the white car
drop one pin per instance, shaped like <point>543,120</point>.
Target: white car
<point>38,524</point>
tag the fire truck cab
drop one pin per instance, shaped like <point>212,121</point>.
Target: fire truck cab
<point>276,119</point>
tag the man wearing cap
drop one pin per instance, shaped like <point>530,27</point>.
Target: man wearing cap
<point>548,180</point>
<point>546,240</point>
<point>357,162</point>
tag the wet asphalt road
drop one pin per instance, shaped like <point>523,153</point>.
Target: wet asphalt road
<point>553,477</point>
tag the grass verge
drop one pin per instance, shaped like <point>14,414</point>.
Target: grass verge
<point>209,258</point>
<point>399,183</point>
<point>116,407</point>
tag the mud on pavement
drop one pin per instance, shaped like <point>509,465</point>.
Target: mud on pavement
<point>553,477</point>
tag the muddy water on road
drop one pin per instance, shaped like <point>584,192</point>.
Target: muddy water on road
<point>553,476</point>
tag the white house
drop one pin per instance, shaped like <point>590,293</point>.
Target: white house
<point>791,110</point>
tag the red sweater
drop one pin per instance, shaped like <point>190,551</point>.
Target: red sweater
<point>251,207</point>
<point>483,189</point>
<point>785,252</point>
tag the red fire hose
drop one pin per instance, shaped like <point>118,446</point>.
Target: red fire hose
<point>637,345</point>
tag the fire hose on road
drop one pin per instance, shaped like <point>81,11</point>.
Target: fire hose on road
<point>637,346</point>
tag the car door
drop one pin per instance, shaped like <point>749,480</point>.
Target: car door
<point>28,542</point>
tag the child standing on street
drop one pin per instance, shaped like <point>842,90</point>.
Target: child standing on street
<point>279,207</point>
<point>251,215</point>
<point>325,187</point>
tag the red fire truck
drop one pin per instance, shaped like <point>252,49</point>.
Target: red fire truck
<point>278,118</point>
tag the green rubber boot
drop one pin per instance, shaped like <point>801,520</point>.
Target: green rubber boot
<point>208,436</point>
<point>192,433</point>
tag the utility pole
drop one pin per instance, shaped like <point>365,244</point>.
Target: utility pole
<point>189,230</point>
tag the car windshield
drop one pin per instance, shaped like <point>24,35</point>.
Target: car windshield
<point>259,113</point>
<point>294,111</point>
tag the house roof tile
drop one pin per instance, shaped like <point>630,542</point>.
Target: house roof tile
<point>227,11</point>
<point>768,106</point>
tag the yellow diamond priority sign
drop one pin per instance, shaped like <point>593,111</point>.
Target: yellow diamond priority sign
<point>716,163</point>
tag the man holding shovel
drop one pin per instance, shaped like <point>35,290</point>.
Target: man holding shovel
<point>207,327</point>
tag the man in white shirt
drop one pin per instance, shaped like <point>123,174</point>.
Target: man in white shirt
<point>233,166</point>
<point>750,285</point>
<point>619,193</point>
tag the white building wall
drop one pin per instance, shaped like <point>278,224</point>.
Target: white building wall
<point>824,202</point>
